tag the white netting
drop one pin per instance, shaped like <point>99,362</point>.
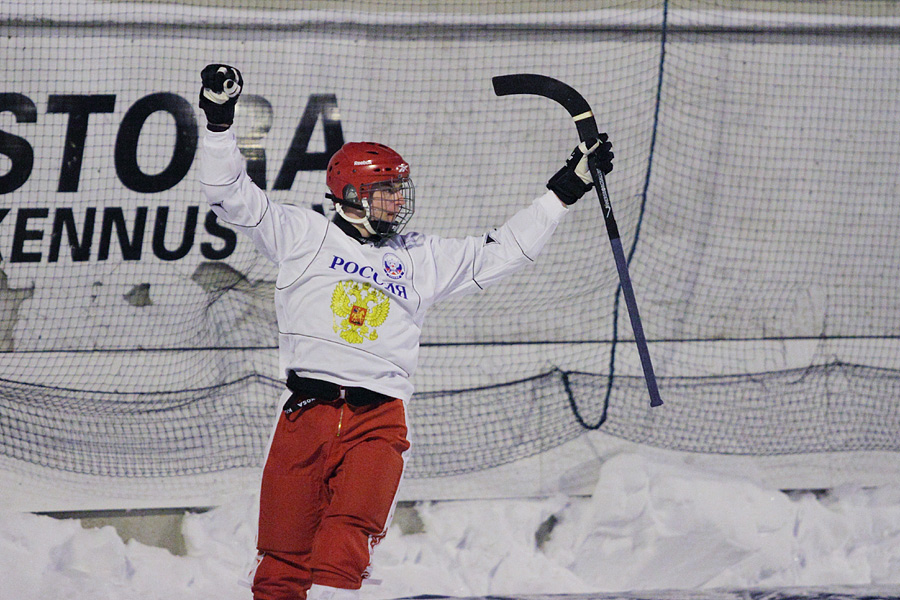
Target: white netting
<point>754,188</point>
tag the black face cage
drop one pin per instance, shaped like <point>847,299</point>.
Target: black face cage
<point>386,229</point>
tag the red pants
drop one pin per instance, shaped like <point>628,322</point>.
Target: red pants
<point>328,491</point>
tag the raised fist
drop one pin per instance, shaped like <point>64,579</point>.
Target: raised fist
<point>219,93</point>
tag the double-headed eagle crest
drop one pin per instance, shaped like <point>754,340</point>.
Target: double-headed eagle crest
<point>358,309</point>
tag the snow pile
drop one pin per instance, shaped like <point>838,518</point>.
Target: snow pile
<point>649,525</point>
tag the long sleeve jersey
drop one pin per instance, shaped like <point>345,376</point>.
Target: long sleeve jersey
<point>349,312</point>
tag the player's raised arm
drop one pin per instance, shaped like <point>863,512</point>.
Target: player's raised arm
<point>231,194</point>
<point>479,262</point>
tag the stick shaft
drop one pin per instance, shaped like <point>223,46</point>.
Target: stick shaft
<point>625,283</point>
<point>636,326</point>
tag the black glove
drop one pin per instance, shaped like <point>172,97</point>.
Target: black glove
<point>573,180</point>
<point>219,93</point>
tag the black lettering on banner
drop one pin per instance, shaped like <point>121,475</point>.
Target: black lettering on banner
<point>127,167</point>
<point>298,159</point>
<point>79,109</point>
<point>23,234</point>
<point>65,218</point>
<point>187,238</point>
<point>3,213</point>
<point>131,246</point>
<point>16,148</point>
<point>214,228</point>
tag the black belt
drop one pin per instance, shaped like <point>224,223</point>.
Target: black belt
<point>309,391</point>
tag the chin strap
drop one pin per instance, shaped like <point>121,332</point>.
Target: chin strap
<point>364,221</point>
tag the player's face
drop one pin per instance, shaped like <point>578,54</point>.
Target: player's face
<point>386,203</point>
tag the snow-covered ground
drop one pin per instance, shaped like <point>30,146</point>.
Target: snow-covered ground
<point>650,524</point>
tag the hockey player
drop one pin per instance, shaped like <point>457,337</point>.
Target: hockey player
<point>351,295</point>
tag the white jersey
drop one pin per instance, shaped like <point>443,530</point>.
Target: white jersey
<point>348,312</point>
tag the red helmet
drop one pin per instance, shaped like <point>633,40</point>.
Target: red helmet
<point>360,168</point>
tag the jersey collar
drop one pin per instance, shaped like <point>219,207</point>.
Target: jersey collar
<point>348,228</point>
